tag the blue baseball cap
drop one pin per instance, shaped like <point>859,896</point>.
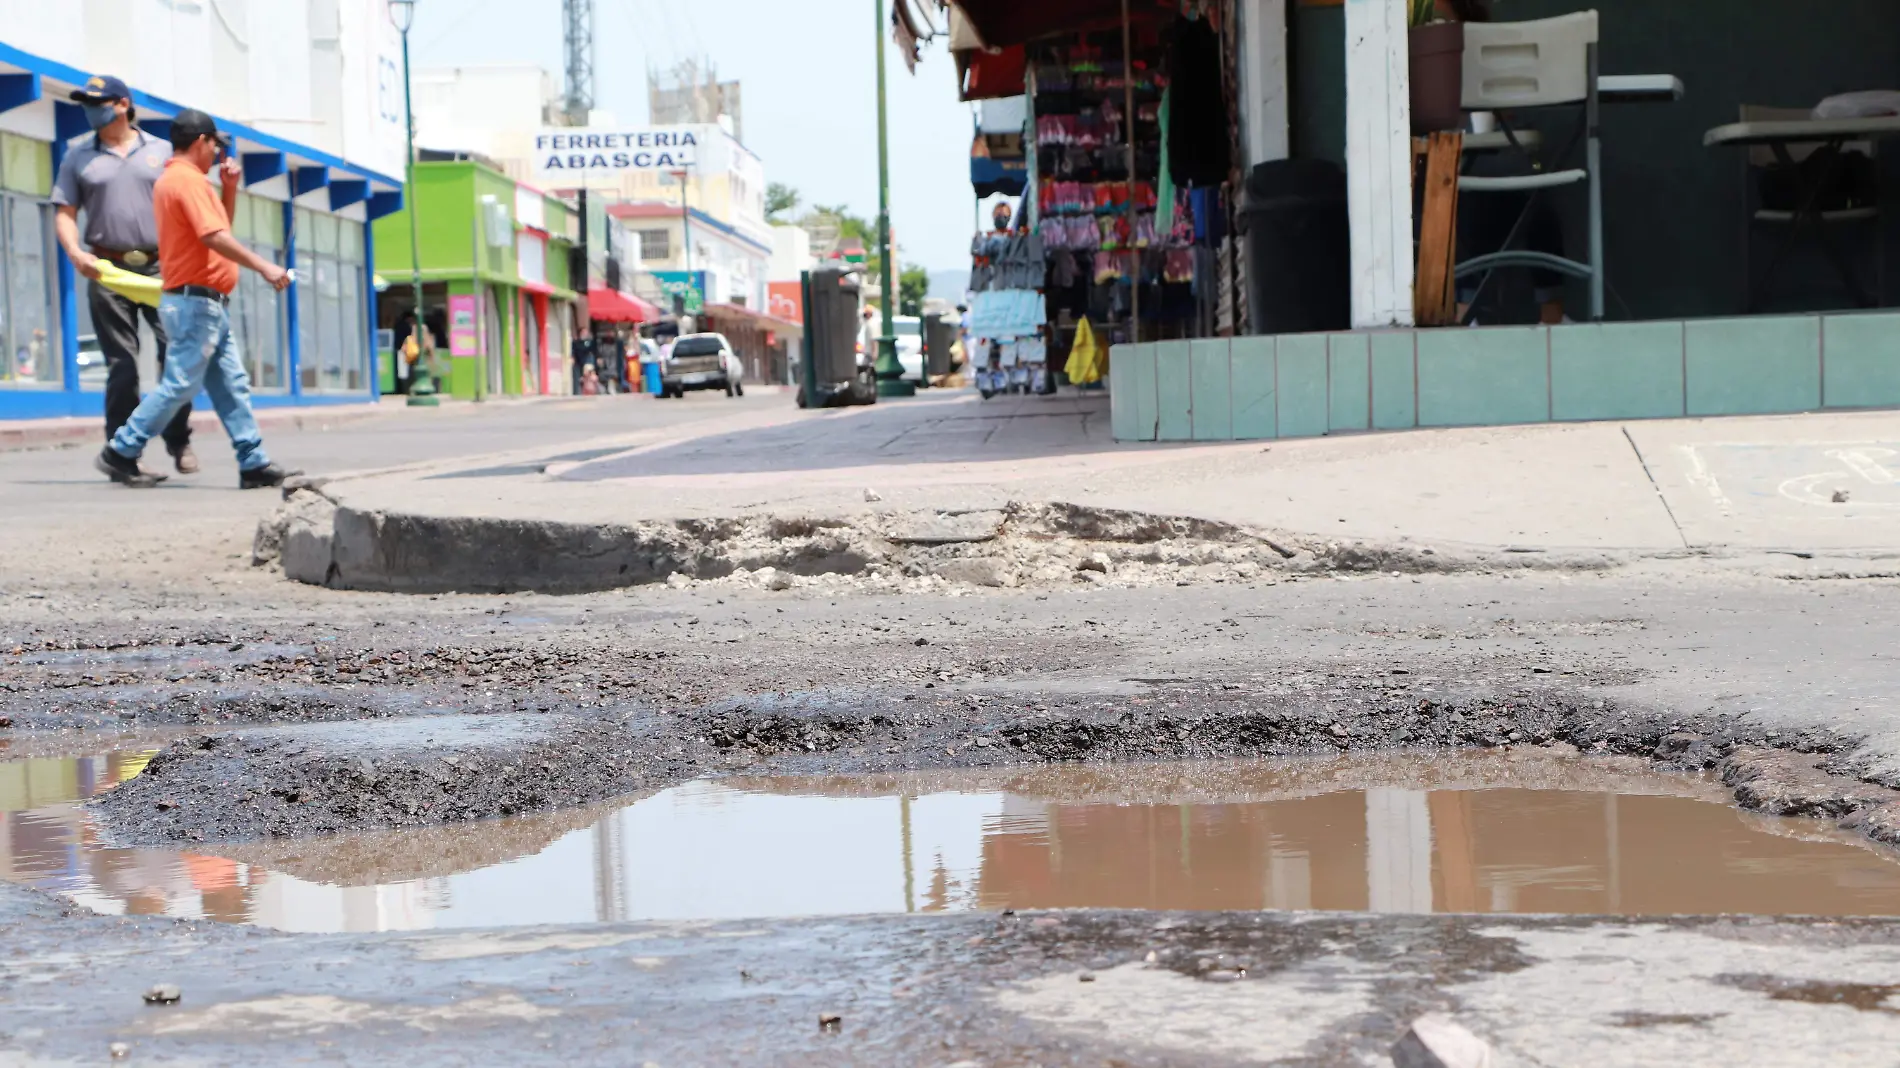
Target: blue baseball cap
<point>100,88</point>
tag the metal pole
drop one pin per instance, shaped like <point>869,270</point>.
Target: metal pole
<point>686,218</point>
<point>421,382</point>
<point>1128,106</point>
<point>808,370</point>
<point>889,370</point>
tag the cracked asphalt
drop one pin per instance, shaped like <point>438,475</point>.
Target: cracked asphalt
<point>283,711</point>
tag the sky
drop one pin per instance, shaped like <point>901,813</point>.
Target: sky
<point>808,73</point>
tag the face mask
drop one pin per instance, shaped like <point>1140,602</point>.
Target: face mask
<point>100,116</point>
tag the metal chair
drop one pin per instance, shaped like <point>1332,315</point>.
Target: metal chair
<point>1519,66</point>
<point>1859,204</point>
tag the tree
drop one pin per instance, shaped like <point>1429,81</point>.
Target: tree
<point>913,285</point>
<point>779,199</point>
<point>828,219</point>
<point>848,225</point>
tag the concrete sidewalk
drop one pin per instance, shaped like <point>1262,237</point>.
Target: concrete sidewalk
<point>67,431</point>
<point>1803,484</point>
<point>1741,483</point>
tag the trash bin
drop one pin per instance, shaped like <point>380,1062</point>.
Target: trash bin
<point>939,335</point>
<point>1298,247</point>
<point>650,377</point>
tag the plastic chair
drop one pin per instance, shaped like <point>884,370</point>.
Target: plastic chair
<point>1520,66</point>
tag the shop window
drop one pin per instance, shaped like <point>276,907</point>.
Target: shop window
<point>257,312</point>
<point>332,323</point>
<point>29,310</point>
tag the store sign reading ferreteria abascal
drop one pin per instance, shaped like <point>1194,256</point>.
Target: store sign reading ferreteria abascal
<point>564,155</point>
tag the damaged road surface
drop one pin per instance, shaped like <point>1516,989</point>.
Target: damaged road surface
<point>602,828</point>
<point>1063,988</point>
<point>1014,785</point>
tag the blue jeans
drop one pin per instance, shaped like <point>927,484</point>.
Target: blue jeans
<point>203,354</point>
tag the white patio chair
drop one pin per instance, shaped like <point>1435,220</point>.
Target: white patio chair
<point>1521,66</point>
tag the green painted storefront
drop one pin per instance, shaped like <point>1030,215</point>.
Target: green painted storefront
<point>462,208</point>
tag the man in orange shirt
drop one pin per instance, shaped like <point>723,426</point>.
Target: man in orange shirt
<point>198,267</point>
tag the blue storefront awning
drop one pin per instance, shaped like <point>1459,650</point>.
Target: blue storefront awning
<point>992,176</point>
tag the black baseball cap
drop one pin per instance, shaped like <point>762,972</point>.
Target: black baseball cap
<point>191,124</point>
<point>100,88</point>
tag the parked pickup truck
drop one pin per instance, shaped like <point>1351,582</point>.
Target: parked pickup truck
<point>701,361</point>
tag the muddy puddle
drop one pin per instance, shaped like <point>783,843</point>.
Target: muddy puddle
<point>1500,834</point>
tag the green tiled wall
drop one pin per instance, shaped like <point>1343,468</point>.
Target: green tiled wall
<point>1211,390</point>
<point>1349,382</point>
<point>1483,377</point>
<point>1145,405</point>
<point>1753,366</point>
<point>1174,392</point>
<point>1121,393</point>
<point>1252,364</point>
<point>1304,385</point>
<point>1860,361</point>
<point>1394,380</point>
<point>1616,371</point>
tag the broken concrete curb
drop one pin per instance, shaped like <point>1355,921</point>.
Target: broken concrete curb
<point>320,539</point>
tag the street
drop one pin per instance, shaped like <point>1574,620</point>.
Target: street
<point>365,766</point>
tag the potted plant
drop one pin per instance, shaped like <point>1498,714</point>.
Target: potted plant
<point>1438,68</point>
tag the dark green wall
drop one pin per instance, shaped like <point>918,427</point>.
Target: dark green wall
<point>1674,211</point>
<point>1316,38</point>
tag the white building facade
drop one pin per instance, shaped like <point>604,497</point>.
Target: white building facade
<point>311,93</point>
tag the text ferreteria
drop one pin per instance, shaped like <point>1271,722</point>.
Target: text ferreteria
<point>636,150</point>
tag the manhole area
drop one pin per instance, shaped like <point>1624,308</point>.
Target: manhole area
<point>1395,834</point>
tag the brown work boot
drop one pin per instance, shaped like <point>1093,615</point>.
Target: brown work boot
<point>185,460</point>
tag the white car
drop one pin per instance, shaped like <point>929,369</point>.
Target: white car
<point>910,343</point>
<point>701,361</point>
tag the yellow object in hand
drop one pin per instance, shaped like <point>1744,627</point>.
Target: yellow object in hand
<point>141,288</point>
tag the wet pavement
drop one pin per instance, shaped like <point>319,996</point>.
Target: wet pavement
<point>1524,833</point>
<point>783,756</point>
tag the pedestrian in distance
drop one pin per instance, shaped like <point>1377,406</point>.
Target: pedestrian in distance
<point>198,259</point>
<point>110,178</point>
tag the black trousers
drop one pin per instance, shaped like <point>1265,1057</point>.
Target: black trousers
<point>115,321</point>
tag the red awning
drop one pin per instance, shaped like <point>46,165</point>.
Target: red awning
<point>735,311</point>
<point>613,306</point>
<point>992,75</point>
<point>1001,23</point>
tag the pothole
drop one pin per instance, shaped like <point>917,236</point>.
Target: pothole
<point>1489,833</point>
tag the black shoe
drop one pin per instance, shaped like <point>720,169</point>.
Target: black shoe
<point>124,470</point>
<point>265,477</point>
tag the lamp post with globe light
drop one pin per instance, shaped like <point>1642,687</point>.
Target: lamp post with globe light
<point>888,369</point>
<point>421,382</point>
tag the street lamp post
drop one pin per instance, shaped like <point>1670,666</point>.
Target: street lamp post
<point>889,369</point>
<point>421,382</point>
<point>686,225</point>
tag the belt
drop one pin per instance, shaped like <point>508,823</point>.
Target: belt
<point>200,291</point>
<point>129,257</point>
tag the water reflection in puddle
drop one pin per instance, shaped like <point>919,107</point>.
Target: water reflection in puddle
<point>1379,834</point>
